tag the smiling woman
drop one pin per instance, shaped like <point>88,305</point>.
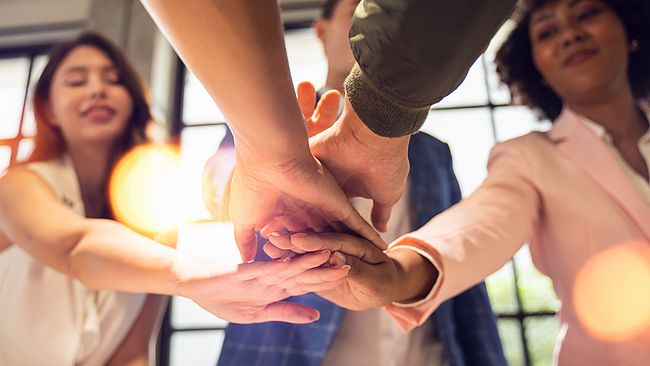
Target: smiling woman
<point>77,277</point>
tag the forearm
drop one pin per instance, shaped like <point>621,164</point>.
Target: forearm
<point>112,257</point>
<point>236,49</point>
<point>413,53</point>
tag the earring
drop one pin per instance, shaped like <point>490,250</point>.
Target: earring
<point>634,45</point>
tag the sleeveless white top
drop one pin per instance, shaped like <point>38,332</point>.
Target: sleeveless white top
<point>47,318</point>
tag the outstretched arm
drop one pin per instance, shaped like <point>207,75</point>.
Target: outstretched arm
<point>104,254</point>
<point>236,49</point>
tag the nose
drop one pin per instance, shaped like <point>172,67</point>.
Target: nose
<point>96,88</point>
<point>571,35</point>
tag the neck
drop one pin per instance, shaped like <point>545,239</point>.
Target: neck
<point>92,164</point>
<point>335,79</point>
<point>617,112</point>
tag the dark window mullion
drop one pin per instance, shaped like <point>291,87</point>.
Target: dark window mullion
<point>19,136</point>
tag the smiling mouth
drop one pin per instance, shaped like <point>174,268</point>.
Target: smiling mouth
<point>99,114</point>
<point>579,57</point>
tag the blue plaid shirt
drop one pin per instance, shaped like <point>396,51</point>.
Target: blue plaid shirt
<point>465,325</point>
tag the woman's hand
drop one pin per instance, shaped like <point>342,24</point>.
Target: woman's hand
<point>375,279</point>
<point>253,292</point>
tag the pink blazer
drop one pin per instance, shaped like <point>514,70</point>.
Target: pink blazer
<point>565,193</point>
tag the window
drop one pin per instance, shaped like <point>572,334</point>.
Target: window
<point>19,71</point>
<point>471,120</point>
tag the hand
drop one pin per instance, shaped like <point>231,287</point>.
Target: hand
<point>363,163</point>
<point>375,278</point>
<point>319,117</point>
<point>299,193</point>
<point>252,292</point>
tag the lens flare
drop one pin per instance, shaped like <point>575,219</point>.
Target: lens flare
<point>612,293</point>
<point>145,190</point>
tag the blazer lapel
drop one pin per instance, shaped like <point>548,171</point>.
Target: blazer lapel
<point>594,158</point>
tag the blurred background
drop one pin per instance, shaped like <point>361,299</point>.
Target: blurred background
<point>471,121</point>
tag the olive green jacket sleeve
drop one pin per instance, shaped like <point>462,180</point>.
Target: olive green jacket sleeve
<point>412,53</point>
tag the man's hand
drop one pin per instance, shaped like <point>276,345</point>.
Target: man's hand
<point>253,292</point>
<point>375,279</point>
<point>363,163</point>
<point>298,193</point>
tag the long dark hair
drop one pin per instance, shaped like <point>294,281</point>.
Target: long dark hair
<point>49,142</point>
<point>516,69</point>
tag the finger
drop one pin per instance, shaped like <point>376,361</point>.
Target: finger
<point>288,312</point>
<point>316,276</point>
<point>273,226</point>
<point>246,240</point>
<point>284,269</point>
<point>325,286</point>
<point>337,242</point>
<point>306,94</point>
<point>327,110</point>
<point>380,215</point>
<point>276,253</point>
<point>284,242</point>
<point>358,225</point>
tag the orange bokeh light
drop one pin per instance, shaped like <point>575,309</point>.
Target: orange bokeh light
<point>612,292</point>
<point>145,190</point>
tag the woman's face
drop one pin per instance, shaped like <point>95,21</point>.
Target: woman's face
<point>580,48</point>
<point>87,101</point>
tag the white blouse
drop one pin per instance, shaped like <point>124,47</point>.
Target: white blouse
<point>48,318</point>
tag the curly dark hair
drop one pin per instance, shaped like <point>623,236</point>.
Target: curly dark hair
<point>516,69</point>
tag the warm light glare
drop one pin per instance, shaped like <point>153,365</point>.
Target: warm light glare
<point>612,293</point>
<point>145,191</point>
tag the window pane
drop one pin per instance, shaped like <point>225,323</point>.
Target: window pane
<point>470,138</point>
<point>29,127</point>
<point>511,122</point>
<point>501,288</point>
<point>499,93</point>
<point>541,335</point>
<point>5,157</point>
<point>213,242</point>
<point>196,348</point>
<point>471,92</point>
<point>13,82</point>
<point>25,149</point>
<point>306,59</point>
<point>198,106</point>
<point>535,289</point>
<point>510,333</point>
<point>198,144</point>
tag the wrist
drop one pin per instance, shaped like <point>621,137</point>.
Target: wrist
<point>185,270</point>
<point>275,147</point>
<point>416,275</point>
<point>355,131</point>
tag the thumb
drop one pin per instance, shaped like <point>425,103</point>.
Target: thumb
<point>380,215</point>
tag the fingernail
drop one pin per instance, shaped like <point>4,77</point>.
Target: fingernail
<point>347,266</point>
<point>275,233</point>
<point>299,235</point>
<point>315,317</point>
<point>339,259</point>
<point>326,252</point>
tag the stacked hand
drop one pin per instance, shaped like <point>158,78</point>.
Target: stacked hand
<point>300,191</point>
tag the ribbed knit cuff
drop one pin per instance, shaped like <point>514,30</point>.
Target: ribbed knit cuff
<point>384,115</point>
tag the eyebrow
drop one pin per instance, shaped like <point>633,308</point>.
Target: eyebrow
<point>74,69</point>
<point>549,15</point>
